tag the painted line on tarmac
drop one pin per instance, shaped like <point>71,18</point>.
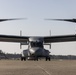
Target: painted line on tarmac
<point>44,70</point>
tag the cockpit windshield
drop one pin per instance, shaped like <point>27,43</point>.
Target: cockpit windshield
<point>36,44</point>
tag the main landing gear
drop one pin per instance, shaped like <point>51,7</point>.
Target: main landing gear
<point>48,58</point>
<point>23,58</point>
<point>36,58</point>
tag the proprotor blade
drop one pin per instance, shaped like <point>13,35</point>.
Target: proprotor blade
<point>1,20</point>
<point>68,20</point>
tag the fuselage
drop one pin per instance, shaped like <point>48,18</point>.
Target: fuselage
<point>35,48</point>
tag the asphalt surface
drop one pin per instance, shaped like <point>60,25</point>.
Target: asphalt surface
<point>42,67</point>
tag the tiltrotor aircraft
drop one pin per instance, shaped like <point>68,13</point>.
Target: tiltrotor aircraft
<point>36,44</point>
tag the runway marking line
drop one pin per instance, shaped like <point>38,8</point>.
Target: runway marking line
<point>44,70</point>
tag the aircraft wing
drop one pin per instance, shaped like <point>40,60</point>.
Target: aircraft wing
<point>11,38</point>
<point>63,38</point>
<point>47,39</point>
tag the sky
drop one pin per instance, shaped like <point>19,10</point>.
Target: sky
<point>36,11</point>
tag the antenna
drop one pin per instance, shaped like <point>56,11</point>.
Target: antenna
<point>20,32</point>
<point>50,32</point>
<point>20,42</point>
<point>75,30</point>
<point>50,43</point>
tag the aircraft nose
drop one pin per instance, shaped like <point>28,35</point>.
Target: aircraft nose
<point>32,51</point>
<point>37,51</point>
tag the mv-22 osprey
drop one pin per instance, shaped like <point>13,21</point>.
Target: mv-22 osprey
<point>35,43</point>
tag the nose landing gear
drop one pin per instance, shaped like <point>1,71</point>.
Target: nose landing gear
<point>23,58</point>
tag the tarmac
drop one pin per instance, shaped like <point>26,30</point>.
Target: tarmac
<point>41,67</point>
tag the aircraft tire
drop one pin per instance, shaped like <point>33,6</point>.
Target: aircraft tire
<point>37,58</point>
<point>24,59</point>
<point>21,58</point>
<point>48,58</point>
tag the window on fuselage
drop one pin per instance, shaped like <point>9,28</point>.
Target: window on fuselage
<point>37,44</point>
